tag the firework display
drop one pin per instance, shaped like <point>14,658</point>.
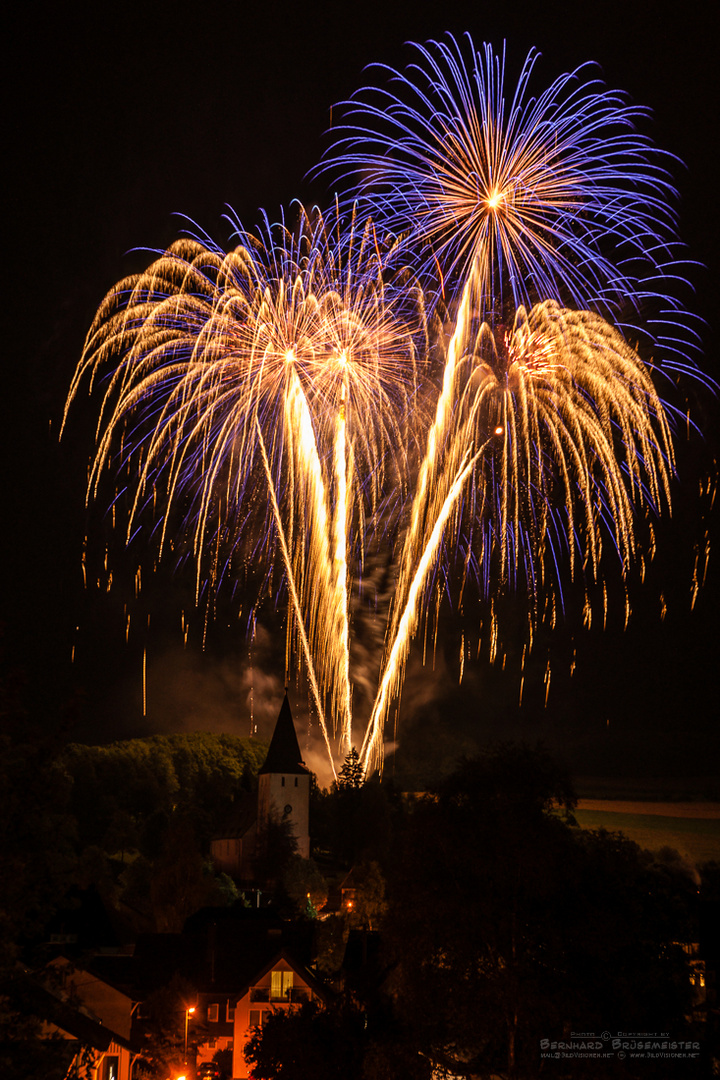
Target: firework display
<point>437,374</point>
<point>548,197</point>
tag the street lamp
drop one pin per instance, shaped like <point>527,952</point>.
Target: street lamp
<point>188,1014</point>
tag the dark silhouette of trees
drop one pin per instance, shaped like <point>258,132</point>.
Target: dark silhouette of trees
<point>507,925</point>
<point>38,862</point>
<point>312,1041</point>
<point>348,823</point>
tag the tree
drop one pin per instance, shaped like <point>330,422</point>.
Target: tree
<point>38,862</point>
<point>122,786</point>
<point>349,823</point>
<point>304,884</point>
<point>312,1041</point>
<point>352,773</point>
<point>275,847</point>
<point>181,881</point>
<point>369,904</point>
<point>506,924</point>
<point>161,1031</point>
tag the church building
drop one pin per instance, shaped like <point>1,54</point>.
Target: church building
<point>283,794</point>
<point>284,782</point>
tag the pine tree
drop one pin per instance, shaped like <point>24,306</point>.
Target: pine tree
<point>352,774</point>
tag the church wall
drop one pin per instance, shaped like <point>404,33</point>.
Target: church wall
<point>289,796</point>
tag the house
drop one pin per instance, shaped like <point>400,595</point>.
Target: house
<point>93,1017</point>
<point>283,795</point>
<point>221,955</point>
<point>281,984</point>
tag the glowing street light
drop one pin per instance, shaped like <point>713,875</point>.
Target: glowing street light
<point>188,1014</point>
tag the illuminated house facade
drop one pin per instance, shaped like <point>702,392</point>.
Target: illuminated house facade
<point>282,984</point>
<point>222,954</point>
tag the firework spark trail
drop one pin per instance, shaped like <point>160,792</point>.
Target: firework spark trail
<point>341,524</point>
<point>435,439</point>
<point>406,624</point>
<point>297,607</point>
<point>584,431</point>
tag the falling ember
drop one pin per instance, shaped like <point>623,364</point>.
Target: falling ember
<point>144,681</point>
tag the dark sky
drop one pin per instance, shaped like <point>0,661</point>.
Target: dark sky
<point>120,116</point>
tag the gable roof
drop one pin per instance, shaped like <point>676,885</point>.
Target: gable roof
<point>220,949</point>
<point>284,754</point>
<point>31,998</point>
<point>305,974</point>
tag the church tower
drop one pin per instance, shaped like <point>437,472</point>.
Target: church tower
<point>284,782</point>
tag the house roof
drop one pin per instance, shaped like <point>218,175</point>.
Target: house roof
<point>284,754</point>
<point>220,949</point>
<point>284,955</point>
<point>240,819</point>
<point>31,998</point>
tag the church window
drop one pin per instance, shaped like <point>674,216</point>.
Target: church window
<point>282,781</point>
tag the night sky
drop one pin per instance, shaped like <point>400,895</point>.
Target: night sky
<point>121,116</point>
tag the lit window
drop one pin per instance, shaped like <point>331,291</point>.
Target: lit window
<point>281,984</point>
<point>110,1068</point>
<point>213,1013</point>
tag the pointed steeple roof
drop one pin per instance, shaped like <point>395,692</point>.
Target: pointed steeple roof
<point>284,754</point>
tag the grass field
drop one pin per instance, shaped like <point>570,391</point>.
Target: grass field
<point>693,830</point>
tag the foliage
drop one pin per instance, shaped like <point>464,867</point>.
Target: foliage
<point>304,883</point>
<point>311,1041</point>
<point>368,903</point>
<point>352,773</point>
<point>38,861</point>
<point>348,823</point>
<point>162,1031</point>
<point>145,811</point>
<point>223,1059</point>
<point>342,1038</point>
<point>507,925</point>
<point>181,881</point>
<point>120,792</point>
<point>275,847</point>
<point>36,829</point>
